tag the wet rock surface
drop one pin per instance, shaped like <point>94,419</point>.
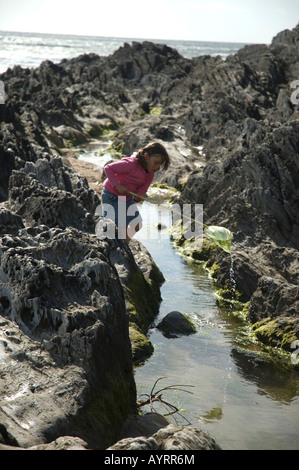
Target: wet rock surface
<point>67,298</point>
<point>176,324</point>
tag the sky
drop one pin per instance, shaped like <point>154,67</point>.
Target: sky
<point>245,21</point>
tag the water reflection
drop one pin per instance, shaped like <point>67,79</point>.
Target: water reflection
<point>242,399</point>
<point>271,379</point>
<point>95,153</point>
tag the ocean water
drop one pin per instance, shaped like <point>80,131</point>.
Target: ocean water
<point>30,49</point>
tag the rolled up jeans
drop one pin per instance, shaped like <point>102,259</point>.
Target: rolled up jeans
<point>121,211</point>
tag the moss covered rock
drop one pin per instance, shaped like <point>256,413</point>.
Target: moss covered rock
<point>142,348</point>
<point>276,332</point>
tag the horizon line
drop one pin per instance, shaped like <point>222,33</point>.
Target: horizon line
<point>132,38</point>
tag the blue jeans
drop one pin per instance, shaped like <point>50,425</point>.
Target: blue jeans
<point>121,211</point>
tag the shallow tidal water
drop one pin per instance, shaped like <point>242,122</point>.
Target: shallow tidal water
<point>240,398</point>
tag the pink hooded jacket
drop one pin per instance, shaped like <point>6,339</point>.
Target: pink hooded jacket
<point>129,173</point>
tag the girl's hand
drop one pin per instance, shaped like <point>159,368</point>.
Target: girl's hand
<point>121,189</point>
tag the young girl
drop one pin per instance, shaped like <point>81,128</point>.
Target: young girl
<point>131,175</point>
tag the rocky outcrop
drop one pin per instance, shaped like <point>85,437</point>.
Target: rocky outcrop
<point>70,302</point>
<point>66,364</point>
<point>65,349</point>
<point>250,185</point>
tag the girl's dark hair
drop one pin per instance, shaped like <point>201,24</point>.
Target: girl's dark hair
<point>154,148</point>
